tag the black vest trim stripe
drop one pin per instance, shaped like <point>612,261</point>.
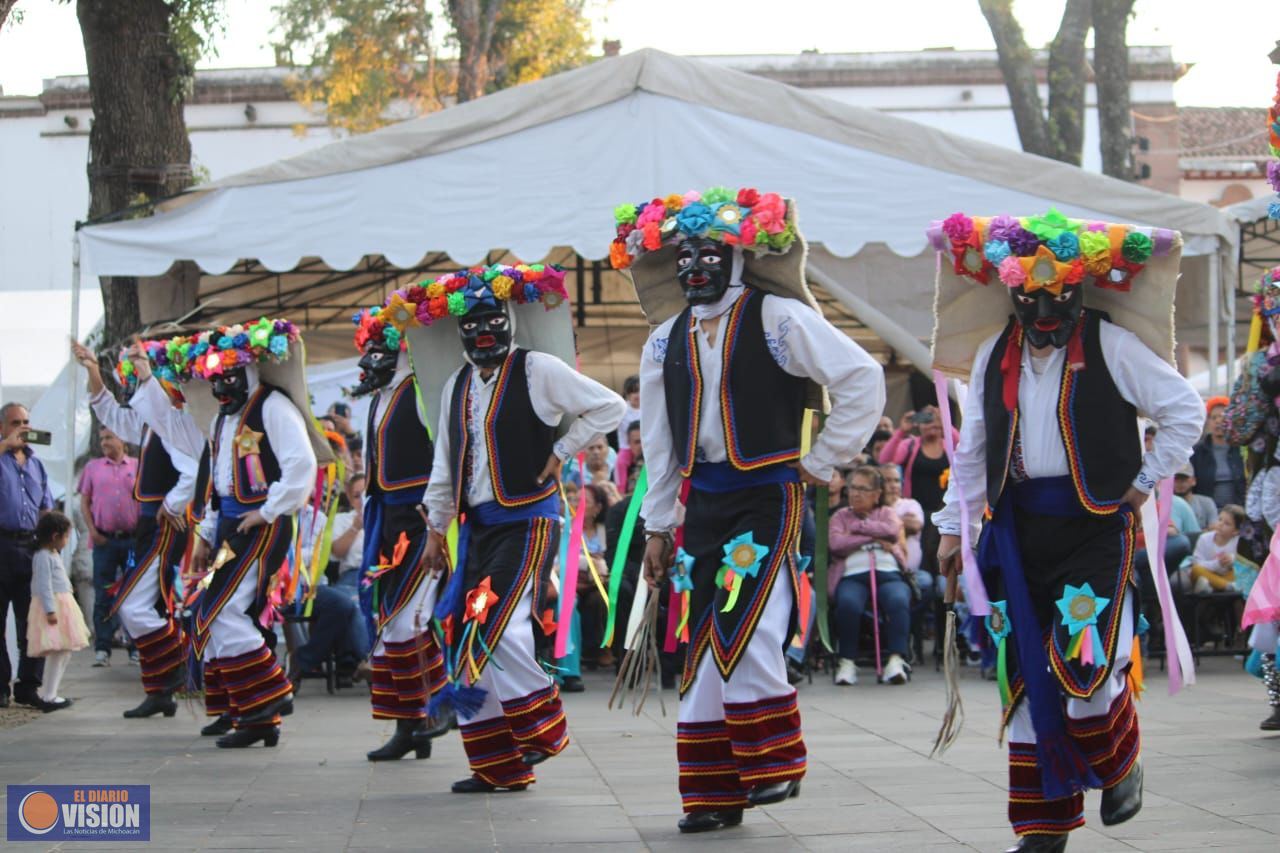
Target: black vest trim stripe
<point>1091,416</point>
<point>409,466</point>
<point>459,435</point>
<point>511,423</point>
<point>761,406</point>
<point>252,419</point>
<point>156,474</point>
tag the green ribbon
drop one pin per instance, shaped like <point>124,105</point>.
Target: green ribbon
<point>623,547</point>
<point>1002,674</point>
<point>820,556</point>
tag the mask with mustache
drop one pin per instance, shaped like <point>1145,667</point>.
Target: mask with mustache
<point>703,268</point>
<point>1048,320</point>
<point>231,390</point>
<point>486,335</point>
<point>377,366</point>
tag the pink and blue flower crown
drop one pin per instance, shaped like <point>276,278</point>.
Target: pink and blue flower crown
<point>459,293</point>
<point>1048,251</point>
<point>760,222</point>
<point>210,353</point>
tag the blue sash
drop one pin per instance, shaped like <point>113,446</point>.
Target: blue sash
<point>723,477</point>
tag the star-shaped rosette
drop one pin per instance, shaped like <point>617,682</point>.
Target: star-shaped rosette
<point>1044,270</point>
<point>480,601</point>
<point>682,572</point>
<point>1080,607</point>
<point>743,556</point>
<point>248,442</point>
<point>997,621</point>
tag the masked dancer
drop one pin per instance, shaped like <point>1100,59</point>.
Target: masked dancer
<point>739,352</point>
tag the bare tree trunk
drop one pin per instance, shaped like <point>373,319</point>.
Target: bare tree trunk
<point>138,142</point>
<point>1018,67</point>
<point>473,25</point>
<point>6,6</point>
<point>1067,83</point>
<point>1111,73</point>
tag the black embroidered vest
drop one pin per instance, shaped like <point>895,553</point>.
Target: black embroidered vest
<point>517,442</point>
<point>1096,424</point>
<point>203,494</point>
<point>761,404</point>
<point>398,451</point>
<point>242,454</point>
<point>156,474</point>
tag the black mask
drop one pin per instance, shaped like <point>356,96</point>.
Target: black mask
<point>486,335</point>
<point>231,390</point>
<point>703,268</point>
<point>377,366</point>
<point>1046,319</point>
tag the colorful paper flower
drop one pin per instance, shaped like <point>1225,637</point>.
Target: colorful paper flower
<point>1002,228</point>
<point>682,571</point>
<point>957,226</point>
<point>1065,246</point>
<point>695,219</point>
<point>1079,606</point>
<point>1136,247</point>
<point>997,622</point>
<point>996,251</point>
<point>1011,271</point>
<point>480,601</point>
<point>743,556</point>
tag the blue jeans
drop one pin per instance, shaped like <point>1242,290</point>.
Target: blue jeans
<point>894,599</point>
<point>337,626</point>
<point>109,562</point>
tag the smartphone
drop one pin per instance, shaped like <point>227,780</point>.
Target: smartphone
<point>922,418</point>
<point>39,436</point>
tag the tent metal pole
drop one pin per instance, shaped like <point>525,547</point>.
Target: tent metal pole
<point>73,374</point>
<point>1230,320</point>
<point>1215,287</point>
<point>890,332</point>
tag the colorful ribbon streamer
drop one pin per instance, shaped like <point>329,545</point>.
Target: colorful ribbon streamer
<point>1155,521</point>
<point>621,550</point>
<point>568,590</point>
<point>975,592</point>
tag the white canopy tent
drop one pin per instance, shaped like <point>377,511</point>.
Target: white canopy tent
<point>535,172</point>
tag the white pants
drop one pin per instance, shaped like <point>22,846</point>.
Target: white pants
<point>414,619</point>
<point>520,673</point>
<point>138,610</point>
<point>761,672</point>
<point>233,632</point>
<point>1022,731</point>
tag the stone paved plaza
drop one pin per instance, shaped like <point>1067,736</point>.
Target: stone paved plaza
<point>1213,779</point>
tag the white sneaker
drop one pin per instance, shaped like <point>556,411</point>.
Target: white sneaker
<point>102,658</point>
<point>1202,586</point>
<point>896,670</point>
<point>846,672</point>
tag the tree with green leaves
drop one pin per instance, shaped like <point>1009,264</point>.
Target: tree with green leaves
<point>366,57</point>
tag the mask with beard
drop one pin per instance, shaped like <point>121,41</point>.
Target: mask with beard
<point>231,390</point>
<point>377,366</point>
<point>703,268</point>
<point>1046,319</point>
<point>486,335</point>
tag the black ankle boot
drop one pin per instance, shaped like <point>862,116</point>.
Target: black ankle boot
<point>1272,723</point>
<point>1123,800</point>
<point>708,821</point>
<point>476,785</point>
<point>776,792</point>
<point>438,726</point>
<point>242,738</point>
<point>1039,844</point>
<point>406,739</point>
<point>264,715</point>
<point>219,726</point>
<point>155,703</point>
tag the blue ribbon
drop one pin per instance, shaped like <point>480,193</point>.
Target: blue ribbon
<point>1063,769</point>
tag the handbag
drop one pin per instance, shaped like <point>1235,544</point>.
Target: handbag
<point>1248,406</point>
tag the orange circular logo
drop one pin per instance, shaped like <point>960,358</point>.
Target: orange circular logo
<point>38,812</point>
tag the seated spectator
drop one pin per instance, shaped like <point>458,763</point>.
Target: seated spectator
<point>1205,510</point>
<point>1219,467</point>
<point>866,537</point>
<point>1182,532</point>
<point>1212,565</point>
<point>908,509</point>
<point>596,454</point>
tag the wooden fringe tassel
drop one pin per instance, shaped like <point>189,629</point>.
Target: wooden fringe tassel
<point>953,716</point>
<point>640,663</point>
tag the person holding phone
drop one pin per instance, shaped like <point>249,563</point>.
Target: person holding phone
<point>24,497</point>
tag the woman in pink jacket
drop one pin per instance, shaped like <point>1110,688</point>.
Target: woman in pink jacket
<point>866,537</point>
<point>923,460</point>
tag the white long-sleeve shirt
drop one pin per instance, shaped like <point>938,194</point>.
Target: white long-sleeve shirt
<point>804,345</point>
<point>555,389</point>
<point>131,427</point>
<point>1142,378</point>
<point>283,425</point>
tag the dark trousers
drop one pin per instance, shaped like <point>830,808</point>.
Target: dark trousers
<point>15,589</point>
<point>109,562</point>
<point>852,598</point>
<point>337,626</point>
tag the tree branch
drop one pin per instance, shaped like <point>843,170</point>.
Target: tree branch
<point>6,6</point>
<point>1111,73</point>
<point>1018,68</point>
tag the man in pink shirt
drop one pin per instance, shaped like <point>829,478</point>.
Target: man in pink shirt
<point>111,512</point>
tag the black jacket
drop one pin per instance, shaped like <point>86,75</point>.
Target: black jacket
<point>1206,468</point>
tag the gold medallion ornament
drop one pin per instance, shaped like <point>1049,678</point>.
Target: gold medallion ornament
<point>248,443</point>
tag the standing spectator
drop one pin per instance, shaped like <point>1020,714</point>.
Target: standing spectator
<point>55,623</point>
<point>630,460</point>
<point>1219,467</point>
<point>923,460</point>
<point>1202,506</point>
<point>631,395</point>
<point>78,558</point>
<point>24,497</point>
<point>866,537</point>
<point>111,513</point>
<point>596,454</point>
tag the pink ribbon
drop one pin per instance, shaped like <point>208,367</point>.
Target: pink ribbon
<point>569,590</point>
<point>936,238</point>
<point>1155,520</point>
<point>1264,599</point>
<point>975,592</point>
